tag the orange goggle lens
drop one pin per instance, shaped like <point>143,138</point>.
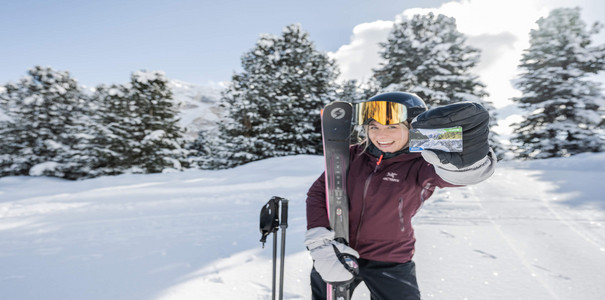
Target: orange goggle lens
<point>384,112</point>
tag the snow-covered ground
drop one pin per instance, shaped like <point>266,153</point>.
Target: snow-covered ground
<point>535,230</point>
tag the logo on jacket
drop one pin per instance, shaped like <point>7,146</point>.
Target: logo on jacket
<point>391,177</point>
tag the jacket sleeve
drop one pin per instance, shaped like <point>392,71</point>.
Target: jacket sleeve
<point>317,212</point>
<point>473,174</point>
<point>429,179</point>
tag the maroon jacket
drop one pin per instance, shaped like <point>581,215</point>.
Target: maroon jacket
<point>383,199</point>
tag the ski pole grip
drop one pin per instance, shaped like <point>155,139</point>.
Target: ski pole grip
<point>284,213</point>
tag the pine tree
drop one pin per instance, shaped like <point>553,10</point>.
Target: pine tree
<point>201,151</point>
<point>7,145</point>
<point>272,107</point>
<point>351,91</point>
<point>155,142</point>
<point>564,116</point>
<point>49,131</point>
<point>116,125</point>
<point>428,56</point>
<point>138,130</point>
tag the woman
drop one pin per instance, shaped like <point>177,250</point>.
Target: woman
<point>386,185</point>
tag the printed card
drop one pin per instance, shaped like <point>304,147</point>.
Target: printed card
<point>444,139</point>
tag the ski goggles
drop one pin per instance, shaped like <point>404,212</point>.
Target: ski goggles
<point>383,112</point>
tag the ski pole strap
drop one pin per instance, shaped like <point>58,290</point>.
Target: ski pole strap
<point>269,220</point>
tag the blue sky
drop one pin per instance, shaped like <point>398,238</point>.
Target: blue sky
<point>194,41</point>
<point>201,42</point>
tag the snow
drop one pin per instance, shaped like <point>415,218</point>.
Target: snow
<point>3,116</point>
<point>39,169</point>
<point>535,230</point>
<point>155,135</point>
<point>146,77</point>
<point>33,100</point>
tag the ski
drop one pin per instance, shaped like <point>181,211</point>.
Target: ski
<point>336,121</point>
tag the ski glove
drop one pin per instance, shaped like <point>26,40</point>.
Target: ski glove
<point>474,120</point>
<point>334,261</point>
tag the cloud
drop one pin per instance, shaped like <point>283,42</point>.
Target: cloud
<point>499,28</point>
<point>357,58</point>
<point>500,56</point>
<point>493,47</point>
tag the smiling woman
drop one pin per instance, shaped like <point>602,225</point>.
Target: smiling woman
<point>388,138</point>
<point>386,118</point>
<point>386,185</point>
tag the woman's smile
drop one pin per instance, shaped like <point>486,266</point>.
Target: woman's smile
<point>388,138</point>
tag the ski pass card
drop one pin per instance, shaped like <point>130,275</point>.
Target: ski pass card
<point>444,139</point>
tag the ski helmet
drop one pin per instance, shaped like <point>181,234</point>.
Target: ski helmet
<point>390,108</point>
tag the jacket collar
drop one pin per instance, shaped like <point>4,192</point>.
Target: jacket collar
<point>401,156</point>
<point>374,151</point>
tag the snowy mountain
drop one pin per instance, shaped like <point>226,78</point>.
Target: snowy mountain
<point>535,230</point>
<point>198,105</point>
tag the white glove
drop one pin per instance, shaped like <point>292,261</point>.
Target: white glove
<point>475,173</point>
<point>334,261</point>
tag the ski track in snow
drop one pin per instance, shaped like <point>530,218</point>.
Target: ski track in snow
<point>533,231</point>
<point>549,246</point>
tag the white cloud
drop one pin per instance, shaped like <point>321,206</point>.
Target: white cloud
<point>357,58</point>
<point>499,28</point>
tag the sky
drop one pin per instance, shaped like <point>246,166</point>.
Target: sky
<point>201,42</point>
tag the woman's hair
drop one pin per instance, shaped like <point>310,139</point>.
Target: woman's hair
<point>362,134</point>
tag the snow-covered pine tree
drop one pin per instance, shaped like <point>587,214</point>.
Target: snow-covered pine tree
<point>49,128</point>
<point>272,107</point>
<point>156,143</point>
<point>564,108</point>
<point>351,91</point>
<point>3,104</point>
<point>7,146</point>
<point>428,56</point>
<point>117,124</point>
<point>201,151</point>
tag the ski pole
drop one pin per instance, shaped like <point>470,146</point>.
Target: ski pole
<point>269,222</point>
<point>275,228</point>
<point>274,264</point>
<point>283,225</point>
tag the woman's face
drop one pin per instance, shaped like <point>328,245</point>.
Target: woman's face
<point>388,138</point>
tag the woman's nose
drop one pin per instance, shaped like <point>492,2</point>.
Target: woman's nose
<point>380,132</point>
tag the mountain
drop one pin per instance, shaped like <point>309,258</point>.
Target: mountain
<point>198,105</point>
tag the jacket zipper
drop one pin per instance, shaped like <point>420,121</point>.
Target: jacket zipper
<point>363,200</point>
